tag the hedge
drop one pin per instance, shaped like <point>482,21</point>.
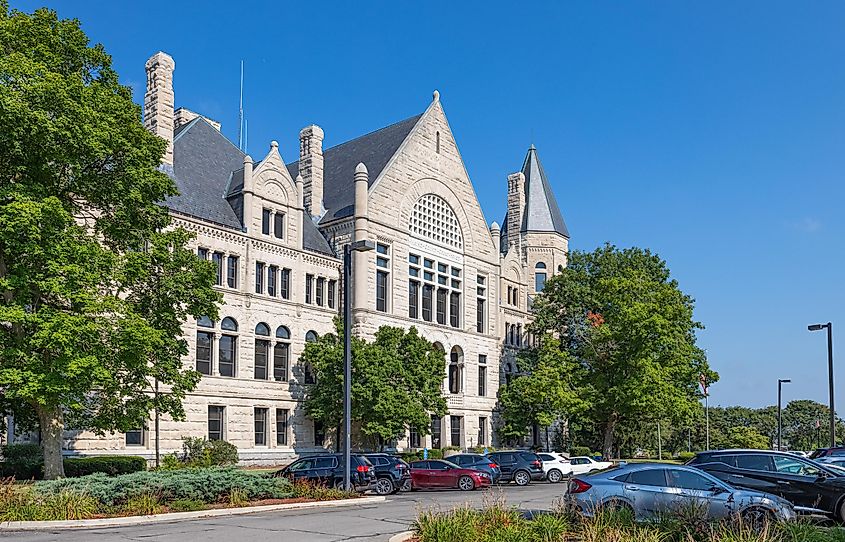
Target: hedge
<point>26,462</point>
<point>108,464</point>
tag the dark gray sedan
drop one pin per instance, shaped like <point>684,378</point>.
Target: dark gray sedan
<point>650,489</point>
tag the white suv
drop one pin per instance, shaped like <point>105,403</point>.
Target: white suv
<point>555,466</point>
<point>583,465</point>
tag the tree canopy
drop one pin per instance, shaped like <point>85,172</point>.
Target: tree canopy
<point>396,382</point>
<point>95,283</point>
<point>622,317</point>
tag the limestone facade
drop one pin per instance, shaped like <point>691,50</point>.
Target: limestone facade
<point>439,266</point>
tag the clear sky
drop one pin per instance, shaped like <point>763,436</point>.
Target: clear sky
<point>710,132</point>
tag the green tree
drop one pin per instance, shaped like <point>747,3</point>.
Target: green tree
<point>94,281</point>
<point>747,437</point>
<point>396,382</point>
<point>621,315</point>
<point>544,392</point>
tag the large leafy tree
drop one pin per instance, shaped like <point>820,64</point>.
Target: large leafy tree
<point>625,320</point>
<point>544,391</point>
<point>94,282</point>
<point>396,382</point>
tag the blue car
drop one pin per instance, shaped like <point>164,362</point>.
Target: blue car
<point>478,462</point>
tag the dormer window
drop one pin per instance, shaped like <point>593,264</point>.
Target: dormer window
<point>279,225</point>
<point>273,221</point>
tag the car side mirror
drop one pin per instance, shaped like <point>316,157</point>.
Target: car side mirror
<point>717,490</point>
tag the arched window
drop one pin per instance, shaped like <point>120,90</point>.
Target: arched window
<point>226,364</point>
<point>456,361</point>
<point>262,351</point>
<point>205,321</point>
<point>311,337</point>
<point>434,219</point>
<point>229,324</point>
<point>281,354</point>
<point>262,329</point>
<point>539,276</point>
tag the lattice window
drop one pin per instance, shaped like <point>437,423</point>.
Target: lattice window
<point>434,219</point>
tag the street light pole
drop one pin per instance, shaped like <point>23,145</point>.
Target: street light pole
<point>829,327</point>
<point>780,383</point>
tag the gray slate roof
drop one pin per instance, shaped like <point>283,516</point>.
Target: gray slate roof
<point>374,149</point>
<point>541,213</point>
<point>205,166</point>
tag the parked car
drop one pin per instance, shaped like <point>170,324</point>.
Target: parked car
<point>585,465</point>
<point>478,462</point>
<point>518,466</point>
<point>328,469</point>
<point>555,466</point>
<point>392,473</point>
<point>650,489</point>
<point>838,451</point>
<point>811,487</point>
<point>439,473</point>
<point>832,460</point>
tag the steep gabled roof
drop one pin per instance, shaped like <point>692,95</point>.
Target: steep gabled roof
<point>541,210</point>
<point>374,149</point>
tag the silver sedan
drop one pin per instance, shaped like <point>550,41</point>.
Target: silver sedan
<point>648,490</point>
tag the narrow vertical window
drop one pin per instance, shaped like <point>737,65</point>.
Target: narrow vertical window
<point>309,284</point>
<point>382,276</point>
<point>457,429</point>
<point>482,380</point>
<point>455,309</point>
<point>428,293</point>
<point>228,348</point>
<point>332,293</point>
<point>265,221</point>
<point>279,225</point>
<point>482,431</point>
<point>480,302</point>
<point>437,142</point>
<point>260,415</point>
<point>414,438</point>
<point>217,259</point>
<point>284,286</point>
<point>272,273</point>
<point>436,436</point>
<point>262,351</point>
<point>441,305</point>
<point>232,272</point>
<point>539,276</point>
<point>321,286</point>
<point>204,351</point>
<point>202,253</point>
<point>281,358</point>
<point>413,299</point>
<point>215,423</point>
<point>282,426</point>
<point>259,277</point>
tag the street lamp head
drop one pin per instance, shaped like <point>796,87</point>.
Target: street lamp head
<point>363,246</point>
<point>784,380</point>
<point>816,327</point>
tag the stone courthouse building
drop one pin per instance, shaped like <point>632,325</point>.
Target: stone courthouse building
<point>276,229</point>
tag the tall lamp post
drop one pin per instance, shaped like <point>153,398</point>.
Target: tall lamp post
<point>357,246</point>
<point>829,327</point>
<point>781,381</point>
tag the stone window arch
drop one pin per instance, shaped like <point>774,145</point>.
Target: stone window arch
<point>434,219</point>
<point>227,363</point>
<point>205,321</point>
<point>229,324</point>
<point>456,369</point>
<point>262,351</point>
<point>262,329</point>
<point>281,354</point>
<point>539,276</point>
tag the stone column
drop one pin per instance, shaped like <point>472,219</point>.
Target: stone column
<point>159,100</point>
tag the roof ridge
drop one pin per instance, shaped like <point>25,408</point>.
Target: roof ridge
<point>417,116</point>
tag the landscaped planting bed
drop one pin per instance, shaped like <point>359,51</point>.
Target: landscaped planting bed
<point>498,523</point>
<point>151,492</point>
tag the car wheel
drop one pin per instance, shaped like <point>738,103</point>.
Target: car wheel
<point>465,483</point>
<point>522,478</point>
<point>406,485</point>
<point>384,486</point>
<point>617,506</point>
<point>554,476</point>
<point>756,518</point>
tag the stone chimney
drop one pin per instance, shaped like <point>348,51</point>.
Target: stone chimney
<point>516,206</point>
<point>184,116</point>
<point>158,101</point>
<point>311,168</point>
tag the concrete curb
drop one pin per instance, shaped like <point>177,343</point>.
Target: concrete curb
<point>177,516</point>
<point>401,537</point>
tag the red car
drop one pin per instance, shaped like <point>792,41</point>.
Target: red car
<point>437,473</point>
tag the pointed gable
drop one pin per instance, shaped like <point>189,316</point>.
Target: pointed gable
<point>374,149</point>
<point>541,211</point>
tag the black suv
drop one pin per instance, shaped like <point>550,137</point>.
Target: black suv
<point>328,469</point>
<point>520,466</point>
<point>811,487</point>
<point>391,473</point>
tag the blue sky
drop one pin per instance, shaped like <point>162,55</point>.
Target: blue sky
<point>711,132</point>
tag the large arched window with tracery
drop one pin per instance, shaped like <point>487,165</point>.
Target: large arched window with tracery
<point>434,219</point>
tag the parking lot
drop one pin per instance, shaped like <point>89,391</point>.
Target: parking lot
<point>372,523</point>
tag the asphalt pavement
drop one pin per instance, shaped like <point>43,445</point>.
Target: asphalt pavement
<point>369,523</point>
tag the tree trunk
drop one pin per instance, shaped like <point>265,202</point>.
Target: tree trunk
<point>52,430</point>
<point>607,447</point>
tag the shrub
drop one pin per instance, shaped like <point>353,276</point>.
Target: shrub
<point>685,456</point>
<point>238,497</point>
<point>109,464</point>
<point>144,504</point>
<point>208,485</point>
<point>302,489</point>
<point>579,450</point>
<point>24,461</point>
<point>199,452</point>
<point>21,503</point>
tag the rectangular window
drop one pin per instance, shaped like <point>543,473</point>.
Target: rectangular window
<point>309,284</point>
<point>262,348</point>
<point>382,262</point>
<point>381,291</point>
<point>414,438</point>
<point>441,305</point>
<point>261,427</point>
<point>332,293</point>
<point>429,264</point>
<point>232,272</point>
<point>413,299</point>
<point>272,272</point>
<point>382,249</point>
<point>539,282</point>
<point>279,225</point>
<point>436,439</point>
<point>284,284</point>
<point>414,259</point>
<point>228,355</point>
<point>482,431</point>
<point>217,259</point>
<point>282,426</point>
<point>455,309</point>
<point>482,379</point>
<point>428,293</point>
<point>215,423</point>
<point>456,426</point>
<point>281,356</point>
<point>204,352</point>
<point>321,286</point>
<point>135,437</point>
<point>202,253</point>
<point>479,316</point>
<point>265,222</point>
<point>319,433</point>
<point>442,268</point>
<point>259,277</point>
